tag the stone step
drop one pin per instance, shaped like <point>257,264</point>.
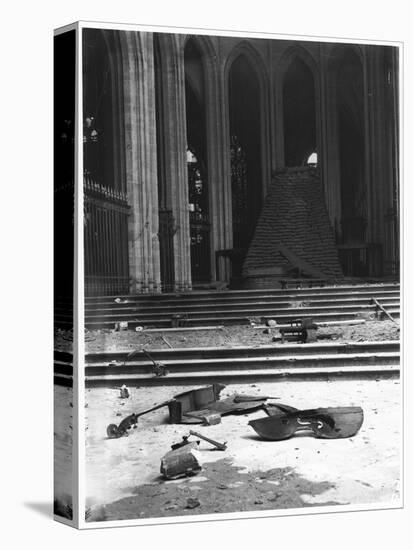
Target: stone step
<point>275,350</point>
<point>243,376</point>
<point>188,307</point>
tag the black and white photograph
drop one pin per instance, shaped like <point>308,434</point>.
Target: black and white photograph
<point>241,236</point>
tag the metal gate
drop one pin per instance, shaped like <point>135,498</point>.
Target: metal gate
<point>106,213</point>
<point>199,219</point>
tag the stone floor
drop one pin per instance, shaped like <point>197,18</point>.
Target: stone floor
<point>123,479</point>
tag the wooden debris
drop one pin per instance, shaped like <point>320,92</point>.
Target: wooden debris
<point>181,462</point>
<point>166,342</point>
<point>378,304</point>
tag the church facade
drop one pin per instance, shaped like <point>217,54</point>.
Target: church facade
<point>184,136</point>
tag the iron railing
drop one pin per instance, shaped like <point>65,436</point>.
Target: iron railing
<point>106,213</point>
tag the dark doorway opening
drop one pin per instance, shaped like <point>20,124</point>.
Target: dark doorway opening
<point>300,136</point>
<point>197,166</point>
<point>246,158</point>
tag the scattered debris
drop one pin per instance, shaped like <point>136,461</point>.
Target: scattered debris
<point>379,306</point>
<point>159,368</point>
<point>193,406</point>
<point>121,301</point>
<point>192,503</point>
<point>181,462</point>
<point>181,443</point>
<point>124,392</point>
<point>205,417</point>
<point>299,304</point>
<point>121,325</point>
<point>113,431</point>
<point>366,315</point>
<point>219,446</point>
<point>179,319</point>
<point>304,330</point>
<point>197,406</point>
<point>166,342</point>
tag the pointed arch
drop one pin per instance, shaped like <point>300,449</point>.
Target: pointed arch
<point>246,86</point>
<point>293,52</point>
<point>298,90</point>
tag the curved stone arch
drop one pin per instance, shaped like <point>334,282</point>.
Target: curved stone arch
<point>341,50</point>
<point>205,46</point>
<point>300,52</point>
<point>254,57</point>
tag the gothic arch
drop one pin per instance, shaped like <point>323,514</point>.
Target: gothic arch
<point>292,57</point>
<point>248,114</point>
<point>259,68</point>
<point>291,53</point>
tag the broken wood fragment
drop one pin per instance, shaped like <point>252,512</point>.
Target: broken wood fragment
<point>181,462</point>
<point>378,304</point>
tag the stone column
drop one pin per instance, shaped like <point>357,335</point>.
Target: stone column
<point>330,147</point>
<point>219,164</point>
<point>381,113</point>
<point>174,140</point>
<point>141,165</point>
<point>370,142</point>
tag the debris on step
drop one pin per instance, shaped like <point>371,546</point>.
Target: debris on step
<point>166,342</point>
<point>121,325</point>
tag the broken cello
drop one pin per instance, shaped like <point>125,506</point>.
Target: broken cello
<point>324,423</point>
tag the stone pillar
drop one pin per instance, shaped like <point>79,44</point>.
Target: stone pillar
<point>370,143</point>
<point>174,141</point>
<point>219,164</point>
<point>381,122</point>
<point>141,165</point>
<point>330,147</point>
